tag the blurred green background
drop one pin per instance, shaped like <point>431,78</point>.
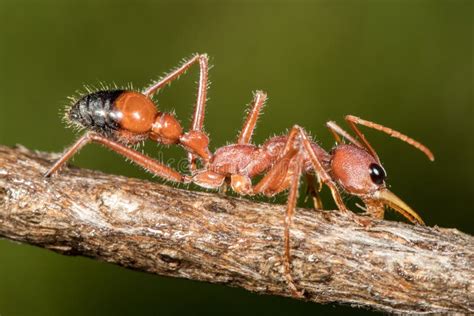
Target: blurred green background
<point>405,64</point>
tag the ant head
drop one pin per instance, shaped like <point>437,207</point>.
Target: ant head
<point>357,171</point>
<point>361,174</point>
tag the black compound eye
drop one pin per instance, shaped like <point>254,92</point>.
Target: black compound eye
<point>377,174</point>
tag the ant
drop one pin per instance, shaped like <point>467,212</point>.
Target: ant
<point>117,118</point>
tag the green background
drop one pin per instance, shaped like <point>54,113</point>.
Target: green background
<point>405,64</point>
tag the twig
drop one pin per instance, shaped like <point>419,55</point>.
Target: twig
<point>390,266</point>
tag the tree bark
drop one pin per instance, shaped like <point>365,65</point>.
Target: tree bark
<point>389,266</point>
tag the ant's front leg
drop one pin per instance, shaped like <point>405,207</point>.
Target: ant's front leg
<point>319,169</point>
<point>140,159</point>
<point>326,178</point>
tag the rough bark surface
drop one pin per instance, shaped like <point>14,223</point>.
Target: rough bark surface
<point>390,266</point>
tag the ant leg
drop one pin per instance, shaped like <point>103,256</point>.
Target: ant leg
<point>312,191</point>
<point>285,171</point>
<point>336,130</point>
<point>140,159</point>
<point>198,117</point>
<point>326,179</point>
<point>290,209</point>
<point>209,179</point>
<point>353,120</point>
<point>258,102</point>
<point>319,169</point>
<point>275,180</point>
<point>81,142</point>
<point>199,108</point>
<point>241,184</point>
<point>278,178</point>
<point>176,73</point>
<point>269,180</point>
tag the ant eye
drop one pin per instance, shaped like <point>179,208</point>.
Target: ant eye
<point>377,174</point>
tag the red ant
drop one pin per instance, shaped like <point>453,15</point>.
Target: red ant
<point>116,118</point>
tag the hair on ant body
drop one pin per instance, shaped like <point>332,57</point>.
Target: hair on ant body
<point>118,118</point>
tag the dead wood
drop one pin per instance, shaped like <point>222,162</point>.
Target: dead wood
<point>390,266</point>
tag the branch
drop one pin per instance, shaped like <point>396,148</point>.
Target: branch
<point>391,266</point>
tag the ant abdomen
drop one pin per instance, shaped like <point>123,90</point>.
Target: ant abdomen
<point>96,112</point>
<point>124,115</point>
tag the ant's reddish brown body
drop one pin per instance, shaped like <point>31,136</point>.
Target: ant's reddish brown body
<point>117,118</point>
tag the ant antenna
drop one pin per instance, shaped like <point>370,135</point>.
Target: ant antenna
<point>352,120</point>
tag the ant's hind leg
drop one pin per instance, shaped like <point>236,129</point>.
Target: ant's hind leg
<point>140,159</point>
<point>199,108</point>
<point>176,73</point>
<point>81,142</point>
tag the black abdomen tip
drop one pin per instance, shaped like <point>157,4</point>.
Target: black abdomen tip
<point>96,112</point>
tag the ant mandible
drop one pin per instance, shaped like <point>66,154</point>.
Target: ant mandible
<point>117,118</point>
